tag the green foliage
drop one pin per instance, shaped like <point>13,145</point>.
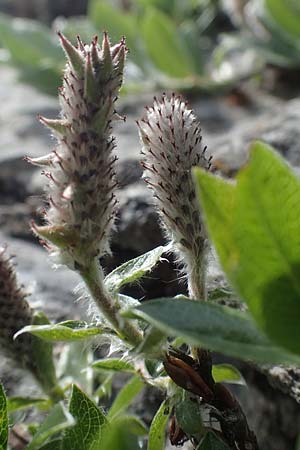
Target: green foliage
<point>227,373</point>
<point>167,40</point>
<point>164,45</point>
<point>125,396</point>
<point>157,438</point>
<point>34,49</point>
<point>113,365</point>
<point>133,424</point>
<point>19,403</point>
<point>286,14</point>
<point>272,31</point>
<point>219,328</point>
<point>56,444</point>
<point>87,433</point>
<point>212,442</point>
<point>3,420</point>
<point>43,365</point>
<point>254,225</point>
<point>189,416</point>
<point>133,270</point>
<point>119,436</point>
<point>74,365</point>
<point>68,331</point>
<point>57,421</point>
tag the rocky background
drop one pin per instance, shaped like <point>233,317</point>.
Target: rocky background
<point>229,124</point>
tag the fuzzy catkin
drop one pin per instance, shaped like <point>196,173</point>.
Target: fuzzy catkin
<point>81,169</point>
<point>172,145</point>
<point>15,313</point>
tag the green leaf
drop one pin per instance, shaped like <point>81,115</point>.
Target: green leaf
<point>119,437</point>
<point>227,373</point>
<point>74,365</point>
<point>56,444</point>
<point>188,415</point>
<point>105,388</point>
<point>3,420</point>
<point>35,50</point>
<point>90,420</point>
<point>133,424</point>
<point>218,201</point>
<point>212,442</point>
<point>71,330</point>
<point>286,14</point>
<point>113,365</point>
<point>157,434</point>
<point>164,45</point>
<point>165,5</point>
<point>216,327</point>
<point>125,396</point>
<point>258,241</point>
<point>152,341</point>
<point>57,421</point>
<point>29,42</point>
<point>134,269</point>
<point>43,365</point>
<point>19,403</point>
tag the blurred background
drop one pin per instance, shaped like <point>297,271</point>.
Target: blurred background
<point>193,45</point>
<point>237,62</point>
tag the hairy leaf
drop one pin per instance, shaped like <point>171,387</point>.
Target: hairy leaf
<point>213,326</point>
<point>65,331</point>
<point>134,269</point>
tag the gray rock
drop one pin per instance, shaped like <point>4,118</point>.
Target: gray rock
<point>51,290</point>
<point>279,128</point>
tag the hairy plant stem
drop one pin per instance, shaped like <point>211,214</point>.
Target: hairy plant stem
<point>197,280</point>
<point>110,308</point>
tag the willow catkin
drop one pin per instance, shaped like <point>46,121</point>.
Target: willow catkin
<point>172,145</point>
<point>81,169</point>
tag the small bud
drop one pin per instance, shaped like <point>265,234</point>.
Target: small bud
<point>81,170</point>
<point>172,145</point>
